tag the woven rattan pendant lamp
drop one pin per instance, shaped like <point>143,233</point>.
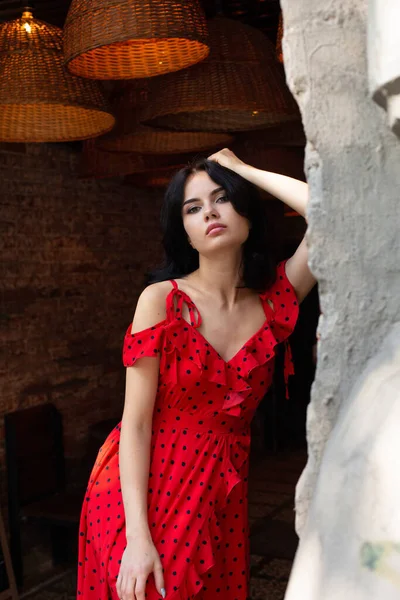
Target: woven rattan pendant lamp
<point>97,164</point>
<point>239,87</point>
<point>124,39</point>
<point>39,100</point>
<point>159,178</point>
<point>129,136</point>
<point>100,164</point>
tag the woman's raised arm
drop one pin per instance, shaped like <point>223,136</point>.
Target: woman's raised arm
<point>292,192</point>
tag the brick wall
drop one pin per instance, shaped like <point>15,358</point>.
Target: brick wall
<point>73,255</point>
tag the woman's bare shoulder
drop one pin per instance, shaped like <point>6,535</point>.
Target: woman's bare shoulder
<point>151,306</point>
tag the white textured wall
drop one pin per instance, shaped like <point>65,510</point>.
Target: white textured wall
<point>353,168</point>
<point>350,545</point>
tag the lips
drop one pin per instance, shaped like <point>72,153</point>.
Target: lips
<point>215,226</point>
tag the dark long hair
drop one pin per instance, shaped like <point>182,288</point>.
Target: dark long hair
<point>181,259</point>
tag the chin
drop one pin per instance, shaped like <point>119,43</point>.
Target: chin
<point>218,244</point>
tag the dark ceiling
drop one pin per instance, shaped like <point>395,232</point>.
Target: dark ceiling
<point>262,14</point>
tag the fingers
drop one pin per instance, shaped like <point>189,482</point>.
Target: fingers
<point>216,155</point>
<point>118,586</point>
<point>133,588</point>
<point>128,588</point>
<point>159,578</point>
<point>140,588</point>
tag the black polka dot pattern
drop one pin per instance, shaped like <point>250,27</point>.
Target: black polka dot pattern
<point>197,494</point>
<point>143,343</point>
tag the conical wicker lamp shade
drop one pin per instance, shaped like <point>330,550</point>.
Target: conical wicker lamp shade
<point>148,140</point>
<point>129,136</point>
<point>239,87</point>
<point>39,100</point>
<point>100,164</point>
<point>155,179</point>
<point>95,163</point>
<point>124,39</point>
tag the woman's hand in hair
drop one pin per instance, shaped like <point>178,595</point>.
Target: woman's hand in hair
<point>226,158</point>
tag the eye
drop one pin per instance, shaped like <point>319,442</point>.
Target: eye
<point>193,210</point>
<point>223,199</point>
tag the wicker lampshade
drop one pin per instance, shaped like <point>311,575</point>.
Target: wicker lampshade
<point>155,179</point>
<point>279,52</point>
<point>124,39</point>
<point>39,100</point>
<point>101,164</point>
<point>104,165</point>
<point>129,136</point>
<point>148,140</point>
<point>240,86</point>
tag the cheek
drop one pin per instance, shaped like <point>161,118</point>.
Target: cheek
<point>241,226</point>
<point>234,217</point>
<point>191,226</point>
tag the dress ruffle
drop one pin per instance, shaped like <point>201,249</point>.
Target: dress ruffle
<point>285,314</point>
<point>147,342</point>
<point>235,453</point>
<point>174,339</point>
<point>233,375</point>
<point>204,555</point>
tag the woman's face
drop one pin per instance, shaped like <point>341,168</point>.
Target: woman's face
<point>210,220</point>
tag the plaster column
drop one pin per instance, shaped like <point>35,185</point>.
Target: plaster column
<point>352,166</point>
<point>350,545</point>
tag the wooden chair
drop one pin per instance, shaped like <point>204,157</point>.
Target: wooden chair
<point>36,480</point>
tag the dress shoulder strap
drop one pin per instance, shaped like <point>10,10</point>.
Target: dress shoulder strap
<point>175,300</point>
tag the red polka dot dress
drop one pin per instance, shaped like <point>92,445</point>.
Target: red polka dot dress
<point>197,494</point>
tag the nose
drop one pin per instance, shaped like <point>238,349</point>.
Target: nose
<point>211,212</point>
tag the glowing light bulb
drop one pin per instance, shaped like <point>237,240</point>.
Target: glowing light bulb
<point>254,113</point>
<point>26,18</point>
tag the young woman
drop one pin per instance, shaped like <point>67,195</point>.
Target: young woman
<point>165,513</point>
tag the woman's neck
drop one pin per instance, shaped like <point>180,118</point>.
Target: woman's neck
<point>221,277</point>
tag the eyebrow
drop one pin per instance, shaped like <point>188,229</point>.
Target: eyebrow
<point>216,191</point>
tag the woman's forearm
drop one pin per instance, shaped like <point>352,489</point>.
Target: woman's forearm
<point>291,191</point>
<point>134,463</point>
